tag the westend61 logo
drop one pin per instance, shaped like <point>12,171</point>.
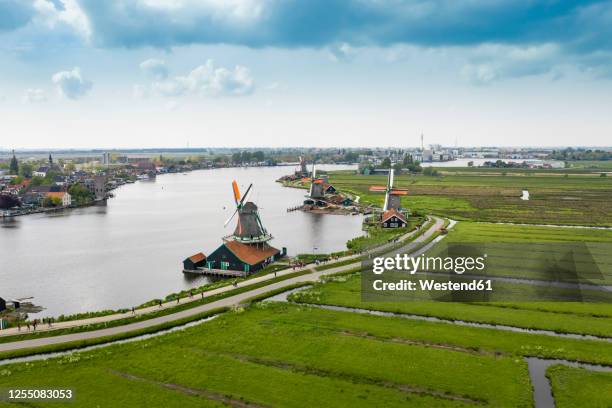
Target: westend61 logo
<point>459,265</point>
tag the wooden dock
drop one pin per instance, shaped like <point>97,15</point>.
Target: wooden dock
<point>226,273</point>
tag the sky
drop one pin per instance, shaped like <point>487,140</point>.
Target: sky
<point>266,73</point>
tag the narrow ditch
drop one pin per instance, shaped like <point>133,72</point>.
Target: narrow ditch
<point>46,356</point>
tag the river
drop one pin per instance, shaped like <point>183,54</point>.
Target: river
<point>131,249</point>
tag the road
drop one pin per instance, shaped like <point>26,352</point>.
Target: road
<point>225,302</point>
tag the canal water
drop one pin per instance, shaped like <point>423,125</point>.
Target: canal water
<point>131,250</point>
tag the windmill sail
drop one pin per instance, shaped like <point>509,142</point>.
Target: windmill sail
<point>392,195</point>
<point>249,228</point>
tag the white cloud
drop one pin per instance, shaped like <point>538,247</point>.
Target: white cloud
<point>34,95</point>
<point>68,12</point>
<point>71,84</point>
<point>208,80</point>
<point>155,67</point>
<point>342,52</point>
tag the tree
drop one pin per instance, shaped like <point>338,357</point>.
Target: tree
<point>81,195</point>
<point>36,181</point>
<point>9,201</point>
<point>398,168</point>
<point>52,202</point>
<point>386,163</point>
<point>14,165</point>
<point>26,170</point>
<point>259,156</point>
<point>429,171</point>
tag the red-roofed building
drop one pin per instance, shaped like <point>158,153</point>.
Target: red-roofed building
<point>195,261</point>
<point>236,256</point>
<point>63,196</point>
<point>393,219</point>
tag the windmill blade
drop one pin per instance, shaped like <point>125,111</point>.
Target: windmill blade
<point>246,195</point>
<point>236,192</point>
<point>390,180</point>
<point>314,171</point>
<point>230,218</point>
<point>378,188</point>
<point>386,202</point>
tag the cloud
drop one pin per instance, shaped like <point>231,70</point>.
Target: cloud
<point>208,80</point>
<point>341,52</point>
<point>57,15</point>
<point>34,95</point>
<point>155,67</point>
<point>294,23</point>
<point>493,62</point>
<point>15,14</point>
<point>71,84</point>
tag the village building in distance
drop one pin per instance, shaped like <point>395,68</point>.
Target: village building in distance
<point>245,251</point>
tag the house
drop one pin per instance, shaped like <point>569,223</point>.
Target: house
<point>62,195</point>
<point>393,219</point>
<point>329,189</point>
<point>2,304</point>
<point>236,256</point>
<point>41,172</point>
<point>195,261</point>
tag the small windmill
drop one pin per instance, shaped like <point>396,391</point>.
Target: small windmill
<point>317,185</point>
<point>392,195</point>
<point>249,229</point>
<point>303,167</point>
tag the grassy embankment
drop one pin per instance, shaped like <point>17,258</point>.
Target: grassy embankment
<point>570,198</point>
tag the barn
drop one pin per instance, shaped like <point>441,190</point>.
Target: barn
<point>236,256</point>
<point>393,219</point>
<point>195,261</point>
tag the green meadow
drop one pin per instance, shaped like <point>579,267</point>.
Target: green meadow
<point>493,195</point>
<point>274,354</point>
<point>577,387</point>
<point>538,252</point>
<point>593,318</point>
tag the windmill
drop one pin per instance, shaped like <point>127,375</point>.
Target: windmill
<point>303,167</point>
<point>317,185</point>
<point>392,195</point>
<point>249,229</point>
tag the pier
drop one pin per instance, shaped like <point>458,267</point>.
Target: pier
<point>226,273</point>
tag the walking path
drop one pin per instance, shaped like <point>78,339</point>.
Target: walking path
<point>228,301</point>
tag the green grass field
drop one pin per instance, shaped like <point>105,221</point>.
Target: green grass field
<point>577,388</point>
<point>555,198</point>
<point>543,253</point>
<point>569,317</point>
<point>308,357</point>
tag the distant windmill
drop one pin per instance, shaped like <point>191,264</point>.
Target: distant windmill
<point>392,195</point>
<point>249,228</point>
<point>303,167</point>
<point>317,185</point>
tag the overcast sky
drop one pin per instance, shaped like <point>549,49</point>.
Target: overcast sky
<point>172,73</point>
